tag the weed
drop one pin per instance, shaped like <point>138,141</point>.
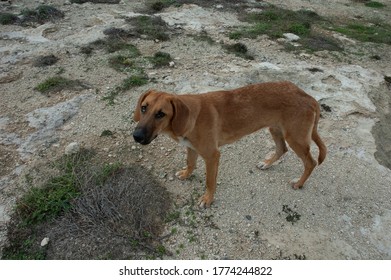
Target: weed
<point>133,81</point>
<point>106,133</point>
<point>376,33</point>
<point>204,37</point>
<point>157,6</point>
<point>8,18</point>
<point>275,21</point>
<point>121,62</point>
<point>161,59</point>
<point>46,60</point>
<point>41,204</point>
<point>122,207</point>
<point>107,171</point>
<point>41,14</point>
<point>375,4</point>
<point>319,43</point>
<point>239,49</point>
<point>128,83</point>
<point>173,216</point>
<point>58,83</point>
<point>96,1</point>
<point>152,28</point>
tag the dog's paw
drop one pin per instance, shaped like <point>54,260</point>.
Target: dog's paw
<point>205,201</point>
<point>263,165</point>
<point>182,174</point>
<point>295,184</point>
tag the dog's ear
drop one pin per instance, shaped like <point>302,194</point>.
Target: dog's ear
<point>181,121</point>
<point>136,116</point>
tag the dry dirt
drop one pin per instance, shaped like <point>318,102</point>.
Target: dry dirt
<point>344,210</point>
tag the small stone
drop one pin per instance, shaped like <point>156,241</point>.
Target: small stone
<point>72,148</point>
<point>171,64</point>
<point>291,37</point>
<point>45,241</point>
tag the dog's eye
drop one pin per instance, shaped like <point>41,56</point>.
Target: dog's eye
<point>160,115</point>
<point>143,109</point>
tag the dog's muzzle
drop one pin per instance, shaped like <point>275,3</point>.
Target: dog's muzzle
<point>141,136</point>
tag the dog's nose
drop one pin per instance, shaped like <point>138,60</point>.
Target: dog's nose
<point>139,135</point>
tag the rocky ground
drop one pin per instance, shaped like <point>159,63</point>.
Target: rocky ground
<point>344,210</point>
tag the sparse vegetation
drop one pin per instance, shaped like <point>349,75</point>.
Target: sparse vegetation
<point>375,33</point>
<point>58,83</point>
<point>161,59</point>
<point>375,4</point>
<point>128,83</point>
<point>45,60</point>
<point>8,18</point>
<point>203,36</point>
<point>239,49</point>
<point>113,203</point>
<point>96,1</point>
<point>275,21</point>
<point>149,27</point>
<point>41,14</point>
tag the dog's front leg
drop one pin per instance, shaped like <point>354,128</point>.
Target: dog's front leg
<point>192,156</point>
<point>212,165</point>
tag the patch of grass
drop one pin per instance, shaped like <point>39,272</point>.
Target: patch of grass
<point>134,81</point>
<point>204,37</point>
<point>96,1</point>
<point>375,33</point>
<point>149,27</point>
<point>274,22</point>
<point>128,83</point>
<point>111,45</point>
<point>161,59</point>
<point>8,18</point>
<point>45,60</point>
<point>106,132</point>
<point>375,4</point>
<point>107,171</point>
<point>239,49</point>
<point>58,83</point>
<point>318,43</point>
<point>157,6</point>
<point>40,204</point>
<point>123,208</point>
<point>46,202</point>
<point>41,14</point>
<point>121,62</point>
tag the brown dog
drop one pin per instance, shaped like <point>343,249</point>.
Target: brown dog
<point>203,122</point>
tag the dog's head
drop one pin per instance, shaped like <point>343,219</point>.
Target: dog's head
<point>158,112</point>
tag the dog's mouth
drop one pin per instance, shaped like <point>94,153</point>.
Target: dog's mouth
<point>141,136</point>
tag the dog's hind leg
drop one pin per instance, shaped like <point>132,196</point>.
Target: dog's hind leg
<point>281,148</point>
<point>301,146</point>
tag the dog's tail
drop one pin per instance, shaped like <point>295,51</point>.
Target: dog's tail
<point>318,141</point>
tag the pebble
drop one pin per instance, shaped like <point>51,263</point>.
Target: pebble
<point>291,37</point>
<point>45,241</point>
<point>72,148</point>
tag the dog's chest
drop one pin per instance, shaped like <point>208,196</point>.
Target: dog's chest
<point>185,142</point>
